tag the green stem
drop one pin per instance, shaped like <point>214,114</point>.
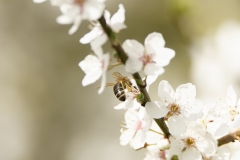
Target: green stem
<point>141,84</point>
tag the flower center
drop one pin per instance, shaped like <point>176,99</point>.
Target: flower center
<point>79,2</point>
<point>146,58</point>
<point>174,109</point>
<point>233,113</point>
<point>139,125</point>
<point>189,143</point>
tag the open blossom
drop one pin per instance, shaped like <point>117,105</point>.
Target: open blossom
<point>176,107</point>
<point>192,145</point>
<point>94,67</point>
<point>151,57</point>
<point>74,11</point>
<point>97,37</point>
<point>228,113</point>
<point>222,153</point>
<point>137,125</point>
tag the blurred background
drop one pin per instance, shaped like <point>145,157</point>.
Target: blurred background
<point>46,114</point>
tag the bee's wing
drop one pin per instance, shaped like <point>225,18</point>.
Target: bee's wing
<point>107,85</point>
<point>117,75</point>
<point>110,84</point>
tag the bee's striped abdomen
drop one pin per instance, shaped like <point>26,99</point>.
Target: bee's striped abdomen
<point>119,91</point>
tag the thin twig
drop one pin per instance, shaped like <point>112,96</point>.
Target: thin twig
<point>141,84</point>
<point>229,138</point>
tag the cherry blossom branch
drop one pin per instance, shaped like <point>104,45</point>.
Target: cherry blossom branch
<point>229,138</point>
<point>141,84</point>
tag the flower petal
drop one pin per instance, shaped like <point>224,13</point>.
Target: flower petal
<point>38,1</point>
<point>185,93</point>
<point>90,36</point>
<point>90,79</point>
<point>138,140</point>
<point>156,109</point>
<point>126,136</point>
<point>149,80</point>
<point>163,56</point>
<point>99,41</point>
<point>91,66</point>
<point>153,42</point>
<point>222,130</point>
<point>166,92</point>
<point>76,23</point>
<point>191,154</point>
<point>231,97</point>
<point>153,69</point>
<point>236,123</point>
<point>107,16</point>
<point>133,65</point>
<point>133,48</point>
<point>105,62</point>
<point>93,10</point>
<point>117,20</point>
<point>176,121</point>
<point>120,105</point>
<point>238,105</point>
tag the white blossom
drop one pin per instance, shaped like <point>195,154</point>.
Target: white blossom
<point>97,37</point>
<point>192,145</point>
<point>137,125</point>
<point>154,135</point>
<point>222,153</point>
<point>209,120</point>
<point>74,11</point>
<point>151,57</point>
<point>94,67</point>
<point>177,106</point>
<point>155,154</point>
<point>228,111</point>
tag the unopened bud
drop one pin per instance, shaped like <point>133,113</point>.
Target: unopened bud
<point>163,144</point>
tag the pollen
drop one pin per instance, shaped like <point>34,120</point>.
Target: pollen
<point>146,58</point>
<point>190,142</point>
<point>174,109</point>
<point>233,113</point>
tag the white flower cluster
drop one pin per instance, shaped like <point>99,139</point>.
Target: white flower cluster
<point>74,11</point>
<point>195,127</point>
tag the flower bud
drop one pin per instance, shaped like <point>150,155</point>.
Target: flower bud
<point>163,144</point>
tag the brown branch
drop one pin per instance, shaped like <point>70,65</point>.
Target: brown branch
<point>229,138</point>
<point>123,56</point>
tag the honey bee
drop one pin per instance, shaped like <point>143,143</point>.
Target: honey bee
<point>122,85</point>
